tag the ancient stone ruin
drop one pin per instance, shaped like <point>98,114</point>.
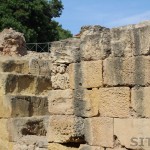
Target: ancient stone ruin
<point>91,92</point>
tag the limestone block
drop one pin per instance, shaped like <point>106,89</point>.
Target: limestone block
<point>31,142</point>
<point>88,147</point>
<point>82,103</point>
<point>65,51</point>
<point>132,40</point>
<point>24,84</point>
<point>96,46</point>
<point>5,109</point>
<point>5,145</point>
<point>140,101</point>
<point>116,148</point>
<point>65,129</point>
<point>86,102</point>
<point>40,67</point>
<point>86,74</point>
<point>23,147</point>
<point>4,134</point>
<point>130,131</point>
<point>99,131</point>
<point>43,85</point>
<point>127,71</point>
<point>60,81</point>
<point>114,102</point>
<point>23,106</point>
<point>61,102</point>
<point>27,129</point>
<point>12,83</point>
<point>14,66</point>
<point>56,146</point>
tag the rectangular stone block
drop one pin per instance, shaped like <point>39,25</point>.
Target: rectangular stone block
<point>132,40</point>
<point>4,133</point>
<point>14,66</point>
<point>40,67</point>
<point>24,84</point>
<point>86,102</point>
<point>82,103</point>
<point>88,147</point>
<point>87,74</point>
<point>114,102</point>
<point>23,106</point>
<point>96,46</point>
<point>28,129</point>
<point>65,51</point>
<point>99,131</point>
<point>31,142</point>
<point>43,85</point>
<point>61,102</point>
<point>13,83</point>
<point>56,146</point>
<point>5,145</point>
<point>133,133</point>
<point>65,129</point>
<point>116,148</point>
<point>140,101</point>
<point>127,71</point>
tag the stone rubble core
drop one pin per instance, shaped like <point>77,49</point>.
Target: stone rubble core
<point>12,43</point>
<point>91,92</point>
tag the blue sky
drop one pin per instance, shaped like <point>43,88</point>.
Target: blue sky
<point>108,13</point>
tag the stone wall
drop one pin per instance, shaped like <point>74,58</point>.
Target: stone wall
<point>90,93</point>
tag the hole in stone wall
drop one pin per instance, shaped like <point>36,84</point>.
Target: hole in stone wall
<point>89,88</point>
<point>75,145</point>
<point>34,128</point>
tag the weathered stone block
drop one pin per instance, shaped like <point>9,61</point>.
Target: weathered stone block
<point>60,81</point>
<point>83,103</point>
<point>116,148</point>
<point>65,129</point>
<point>43,85</point>
<point>130,131</point>
<point>99,131</point>
<point>40,67</point>
<point>132,40</point>
<point>96,46</point>
<point>86,102</point>
<point>24,84</point>
<point>31,142</point>
<point>4,133</point>
<point>12,83</point>
<point>56,146</point>
<point>5,145</point>
<point>61,102</point>
<point>127,71</point>
<point>88,147</point>
<point>14,66</point>
<point>27,127</point>
<point>23,106</point>
<point>65,51</point>
<point>86,74</point>
<point>114,102</point>
<point>140,101</point>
